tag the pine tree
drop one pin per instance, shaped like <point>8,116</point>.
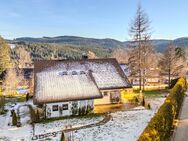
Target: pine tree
<point>4,55</point>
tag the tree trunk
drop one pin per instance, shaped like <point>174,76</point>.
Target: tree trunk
<point>169,71</point>
<point>143,85</point>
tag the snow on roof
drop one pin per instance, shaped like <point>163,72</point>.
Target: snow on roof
<point>53,87</point>
<point>125,69</point>
<point>105,73</point>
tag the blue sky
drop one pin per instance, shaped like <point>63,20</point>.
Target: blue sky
<point>90,18</point>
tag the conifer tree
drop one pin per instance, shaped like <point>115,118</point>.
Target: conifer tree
<point>4,55</point>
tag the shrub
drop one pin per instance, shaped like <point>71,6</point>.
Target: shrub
<point>32,114</point>
<point>79,112</point>
<point>27,97</point>
<point>83,109</point>
<point>173,82</point>
<point>2,104</point>
<point>136,100</point>
<point>37,116</point>
<point>14,119</point>
<point>62,136</point>
<point>148,106</point>
<point>160,126</point>
<point>143,101</point>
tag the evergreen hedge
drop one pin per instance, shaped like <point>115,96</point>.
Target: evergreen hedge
<point>161,125</point>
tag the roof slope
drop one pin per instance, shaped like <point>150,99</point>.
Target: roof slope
<point>80,79</point>
<point>53,87</point>
<point>106,72</point>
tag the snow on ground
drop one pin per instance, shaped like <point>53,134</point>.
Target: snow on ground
<point>125,125</point>
<point>26,131</point>
<point>12,132</point>
<point>60,124</point>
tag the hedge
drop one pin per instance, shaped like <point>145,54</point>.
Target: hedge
<point>161,125</point>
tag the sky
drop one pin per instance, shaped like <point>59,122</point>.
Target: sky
<point>90,18</point>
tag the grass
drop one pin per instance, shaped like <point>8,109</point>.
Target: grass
<point>151,93</point>
<point>3,112</point>
<point>91,115</point>
<point>14,99</point>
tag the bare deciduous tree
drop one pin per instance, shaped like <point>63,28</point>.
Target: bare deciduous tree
<point>91,55</point>
<point>11,82</point>
<point>173,62</point>
<point>122,55</point>
<point>139,31</point>
<point>23,57</point>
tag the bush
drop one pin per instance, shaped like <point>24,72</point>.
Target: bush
<point>160,126</point>
<point>136,100</point>
<point>27,97</point>
<point>32,114</point>
<point>173,82</point>
<point>62,136</point>
<point>148,106</point>
<point>37,116</point>
<point>143,101</point>
<point>14,119</point>
<point>2,104</point>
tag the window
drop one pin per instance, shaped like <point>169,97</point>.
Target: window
<point>105,93</point>
<point>74,73</point>
<point>82,72</point>
<point>55,108</point>
<point>63,73</point>
<point>65,106</point>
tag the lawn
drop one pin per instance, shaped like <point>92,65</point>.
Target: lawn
<point>151,93</point>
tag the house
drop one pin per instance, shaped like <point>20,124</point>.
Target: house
<point>68,87</point>
<point>152,76</point>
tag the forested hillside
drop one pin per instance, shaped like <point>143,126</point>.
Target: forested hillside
<point>72,47</point>
<point>61,51</point>
<point>159,44</point>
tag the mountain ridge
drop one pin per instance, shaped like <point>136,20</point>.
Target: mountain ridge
<point>159,44</point>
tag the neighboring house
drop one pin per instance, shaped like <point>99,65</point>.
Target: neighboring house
<point>68,87</point>
<point>12,46</point>
<point>152,77</point>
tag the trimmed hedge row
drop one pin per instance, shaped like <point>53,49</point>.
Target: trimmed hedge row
<point>161,125</point>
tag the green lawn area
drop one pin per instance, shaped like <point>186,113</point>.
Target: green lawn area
<point>151,93</point>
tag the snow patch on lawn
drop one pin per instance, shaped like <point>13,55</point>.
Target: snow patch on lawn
<point>125,125</point>
<point>60,124</point>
